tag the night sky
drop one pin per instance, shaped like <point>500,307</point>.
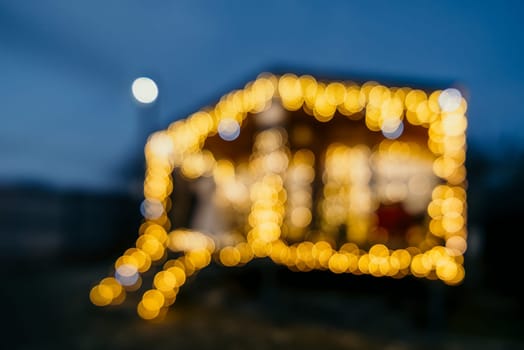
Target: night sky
<point>68,118</point>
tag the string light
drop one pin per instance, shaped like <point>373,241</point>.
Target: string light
<point>272,194</point>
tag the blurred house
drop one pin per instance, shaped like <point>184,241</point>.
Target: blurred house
<point>350,177</point>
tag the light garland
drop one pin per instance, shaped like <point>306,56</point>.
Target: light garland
<point>276,199</point>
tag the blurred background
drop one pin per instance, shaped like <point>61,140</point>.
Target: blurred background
<point>71,167</point>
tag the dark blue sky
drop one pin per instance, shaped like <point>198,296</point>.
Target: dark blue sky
<point>68,118</point>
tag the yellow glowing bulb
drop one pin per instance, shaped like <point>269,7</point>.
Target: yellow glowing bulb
<point>230,256</point>
<point>164,281</point>
<point>146,313</point>
<point>101,295</point>
<point>153,300</point>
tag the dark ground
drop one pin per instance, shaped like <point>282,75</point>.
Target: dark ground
<point>259,306</point>
<point>45,301</point>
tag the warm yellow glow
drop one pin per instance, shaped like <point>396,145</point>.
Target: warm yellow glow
<point>151,246</point>
<point>153,300</point>
<point>179,273</point>
<point>230,256</point>
<point>457,244</point>
<point>145,313</point>
<point>140,258</point>
<point>164,281</point>
<point>272,193</point>
<point>101,295</point>
<point>301,217</point>
<point>290,91</point>
<point>420,265</point>
<point>338,263</point>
